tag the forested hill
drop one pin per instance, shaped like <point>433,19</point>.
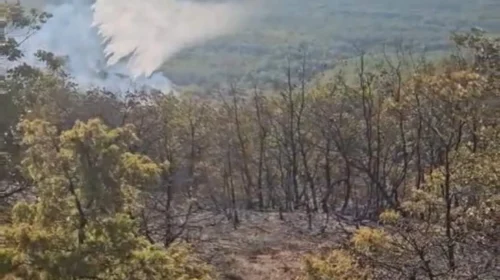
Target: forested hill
<point>330,28</point>
<point>393,175</point>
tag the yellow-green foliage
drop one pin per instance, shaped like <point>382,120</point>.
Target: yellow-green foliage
<point>338,265</point>
<point>369,239</point>
<point>389,216</point>
<point>81,225</point>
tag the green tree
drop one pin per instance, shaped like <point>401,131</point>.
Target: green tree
<point>81,223</point>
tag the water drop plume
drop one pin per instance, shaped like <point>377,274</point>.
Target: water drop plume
<point>149,32</point>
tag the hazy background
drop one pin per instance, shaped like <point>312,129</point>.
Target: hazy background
<point>329,28</point>
<point>205,42</point>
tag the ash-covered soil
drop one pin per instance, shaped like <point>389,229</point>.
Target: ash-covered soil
<point>262,246</point>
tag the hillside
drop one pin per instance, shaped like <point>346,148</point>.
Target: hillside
<point>385,171</point>
<point>330,29</point>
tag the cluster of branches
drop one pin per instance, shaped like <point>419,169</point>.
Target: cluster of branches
<point>443,223</point>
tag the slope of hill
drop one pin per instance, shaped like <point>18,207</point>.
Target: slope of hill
<point>329,28</point>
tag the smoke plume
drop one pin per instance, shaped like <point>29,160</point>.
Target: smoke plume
<point>120,44</point>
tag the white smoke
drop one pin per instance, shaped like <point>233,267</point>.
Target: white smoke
<point>119,44</point>
<point>153,31</point>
